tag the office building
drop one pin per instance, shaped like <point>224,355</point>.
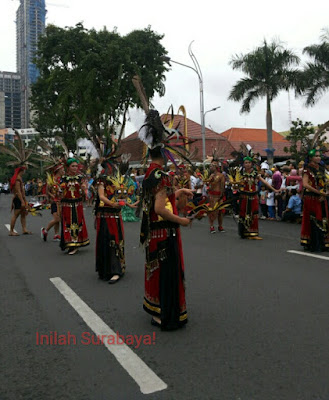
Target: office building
<point>30,25</point>
<point>10,100</point>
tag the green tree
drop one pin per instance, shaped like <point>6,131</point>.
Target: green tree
<point>314,80</point>
<point>6,171</point>
<point>268,69</point>
<point>300,138</point>
<point>86,79</point>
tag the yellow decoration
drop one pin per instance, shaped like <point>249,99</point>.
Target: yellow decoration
<point>168,207</point>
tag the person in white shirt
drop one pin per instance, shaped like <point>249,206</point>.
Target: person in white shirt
<point>270,205</point>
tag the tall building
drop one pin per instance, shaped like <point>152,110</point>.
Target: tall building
<point>30,25</point>
<point>10,100</point>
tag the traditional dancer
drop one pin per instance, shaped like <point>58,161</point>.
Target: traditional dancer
<point>113,194</point>
<point>164,295</point>
<point>216,192</point>
<point>315,223</point>
<point>54,195</point>
<point>21,157</point>
<point>248,195</point>
<point>19,203</point>
<point>128,211</point>
<point>74,231</point>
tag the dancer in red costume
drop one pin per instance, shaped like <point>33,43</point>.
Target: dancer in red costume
<point>247,178</point>
<point>74,231</point>
<point>315,228</point>
<point>164,296</point>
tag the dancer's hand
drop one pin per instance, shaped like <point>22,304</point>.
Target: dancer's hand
<point>185,221</point>
<point>186,192</point>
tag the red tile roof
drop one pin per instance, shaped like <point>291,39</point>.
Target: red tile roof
<point>257,138</point>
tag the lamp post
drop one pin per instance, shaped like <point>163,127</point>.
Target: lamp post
<point>197,70</point>
<point>213,109</point>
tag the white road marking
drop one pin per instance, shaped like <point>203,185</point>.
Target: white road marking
<point>8,227</point>
<point>145,378</point>
<point>308,254</point>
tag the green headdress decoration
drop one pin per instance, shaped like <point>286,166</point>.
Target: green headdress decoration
<point>72,160</point>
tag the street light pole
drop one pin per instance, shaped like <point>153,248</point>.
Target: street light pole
<point>213,109</point>
<point>197,70</point>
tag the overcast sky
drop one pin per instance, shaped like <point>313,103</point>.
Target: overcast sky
<point>219,31</point>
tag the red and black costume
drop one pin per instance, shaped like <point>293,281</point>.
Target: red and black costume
<point>164,268</point>
<point>74,231</point>
<point>110,256</point>
<point>248,202</point>
<point>315,230</point>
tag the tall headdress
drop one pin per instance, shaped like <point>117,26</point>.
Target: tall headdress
<point>124,163</point>
<point>21,156</point>
<point>245,153</point>
<point>316,144</point>
<point>53,159</point>
<point>19,152</point>
<point>155,134</point>
<point>106,150</point>
<point>214,156</point>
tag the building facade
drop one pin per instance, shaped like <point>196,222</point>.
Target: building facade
<point>10,100</point>
<point>30,26</point>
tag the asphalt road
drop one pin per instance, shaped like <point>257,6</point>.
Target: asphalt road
<point>258,318</point>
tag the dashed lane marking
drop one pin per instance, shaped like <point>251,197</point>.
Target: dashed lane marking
<point>8,227</point>
<point>145,378</point>
<point>301,253</point>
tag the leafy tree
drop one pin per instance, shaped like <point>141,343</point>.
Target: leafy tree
<point>6,171</point>
<point>314,80</point>
<point>268,70</point>
<point>86,79</point>
<point>301,137</point>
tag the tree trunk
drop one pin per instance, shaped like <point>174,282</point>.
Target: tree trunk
<point>270,155</point>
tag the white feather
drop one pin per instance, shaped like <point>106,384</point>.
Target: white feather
<point>142,134</point>
<point>89,146</point>
<point>125,157</point>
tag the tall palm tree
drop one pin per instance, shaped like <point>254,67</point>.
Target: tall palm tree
<point>315,77</point>
<point>268,70</point>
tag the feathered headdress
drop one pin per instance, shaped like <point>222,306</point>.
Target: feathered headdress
<point>124,164</point>
<point>316,144</point>
<point>106,149</point>
<point>155,134</point>
<point>245,153</point>
<point>19,152</point>
<point>21,157</point>
<point>52,161</point>
<point>214,156</point>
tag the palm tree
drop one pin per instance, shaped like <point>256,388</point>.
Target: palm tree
<point>315,78</point>
<point>269,70</point>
